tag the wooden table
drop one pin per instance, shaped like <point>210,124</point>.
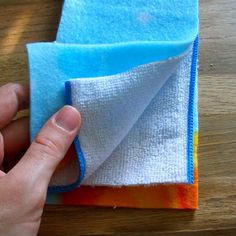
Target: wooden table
<point>23,21</point>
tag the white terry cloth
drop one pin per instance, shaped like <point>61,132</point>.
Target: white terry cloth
<point>134,128</point>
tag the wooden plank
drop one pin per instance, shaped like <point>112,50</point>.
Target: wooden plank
<point>21,24</point>
<point>217,94</point>
<point>218,34</point>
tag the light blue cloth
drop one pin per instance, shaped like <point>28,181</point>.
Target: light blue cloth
<point>52,64</point>
<point>113,21</point>
<point>110,37</point>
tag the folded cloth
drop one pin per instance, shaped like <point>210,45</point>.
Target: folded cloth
<point>134,83</point>
<point>133,133</point>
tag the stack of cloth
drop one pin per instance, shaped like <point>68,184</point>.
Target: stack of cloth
<point>130,68</point>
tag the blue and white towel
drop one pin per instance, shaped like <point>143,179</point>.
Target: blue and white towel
<point>129,66</point>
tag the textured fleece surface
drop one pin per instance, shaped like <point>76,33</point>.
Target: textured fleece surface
<point>104,21</point>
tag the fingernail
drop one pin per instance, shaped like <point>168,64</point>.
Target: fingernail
<point>68,118</point>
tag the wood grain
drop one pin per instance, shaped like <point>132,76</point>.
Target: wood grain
<point>26,21</point>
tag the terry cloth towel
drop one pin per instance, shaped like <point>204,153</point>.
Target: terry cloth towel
<point>134,84</point>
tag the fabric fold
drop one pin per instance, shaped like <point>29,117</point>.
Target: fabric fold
<point>129,65</point>
<point>111,105</point>
<point>65,61</point>
<point>153,148</point>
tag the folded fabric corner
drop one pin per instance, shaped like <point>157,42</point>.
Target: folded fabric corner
<point>135,84</point>
<point>124,117</point>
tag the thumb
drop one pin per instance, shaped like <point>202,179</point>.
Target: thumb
<point>48,148</point>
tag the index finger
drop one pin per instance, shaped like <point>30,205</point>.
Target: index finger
<point>13,97</point>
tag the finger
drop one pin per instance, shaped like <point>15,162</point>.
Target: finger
<point>48,148</point>
<point>13,97</point>
<point>16,138</point>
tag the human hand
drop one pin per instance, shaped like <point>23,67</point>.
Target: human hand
<point>23,188</point>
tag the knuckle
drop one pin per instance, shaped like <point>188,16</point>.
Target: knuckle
<point>15,92</point>
<point>13,88</point>
<point>11,85</point>
<point>48,145</point>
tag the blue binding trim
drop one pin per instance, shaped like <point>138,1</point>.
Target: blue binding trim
<point>190,145</point>
<point>79,154</point>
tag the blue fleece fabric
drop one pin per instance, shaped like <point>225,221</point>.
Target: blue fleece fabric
<point>112,21</point>
<point>173,26</point>
<point>52,64</point>
<point>100,38</point>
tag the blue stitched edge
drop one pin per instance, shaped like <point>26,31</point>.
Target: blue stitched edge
<point>79,154</point>
<point>193,80</point>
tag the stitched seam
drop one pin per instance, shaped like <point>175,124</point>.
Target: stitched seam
<point>193,80</point>
<point>79,154</point>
